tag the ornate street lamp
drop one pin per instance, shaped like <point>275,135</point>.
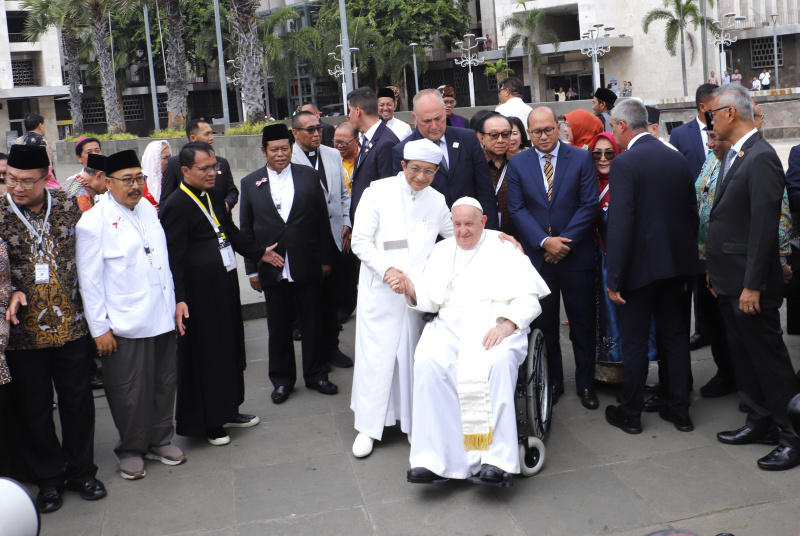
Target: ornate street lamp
<point>594,45</point>
<point>340,70</point>
<point>416,76</point>
<point>723,37</point>
<point>468,59</point>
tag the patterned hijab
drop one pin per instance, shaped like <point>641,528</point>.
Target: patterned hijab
<point>151,166</point>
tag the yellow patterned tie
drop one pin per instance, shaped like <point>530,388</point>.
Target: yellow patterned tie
<point>548,173</point>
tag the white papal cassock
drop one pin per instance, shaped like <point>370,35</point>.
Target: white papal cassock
<point>472,291</point>
<point>396,227</point>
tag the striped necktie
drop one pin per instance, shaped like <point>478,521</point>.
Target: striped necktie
<point>548,173</point>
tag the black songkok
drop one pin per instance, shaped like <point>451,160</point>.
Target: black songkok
<point>28,157</point>
<point>121,160</point>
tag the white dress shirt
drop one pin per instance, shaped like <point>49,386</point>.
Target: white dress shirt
<point>281,187</point>
<point>400,128</point>
<point>123,288</point>
<point>703,135</point>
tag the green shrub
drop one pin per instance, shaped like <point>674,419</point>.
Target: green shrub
<point>248,128</point>
<point>166,133</point>
<point>102,137</point>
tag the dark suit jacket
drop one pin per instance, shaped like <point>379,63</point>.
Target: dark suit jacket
<point>328,132</point>
<point>306,236</point>
<point>223,186</point>
<point>376,164</point>
<point>793,179</point>
<point>742,244</point>
<point>652,217</point>
<point>468,173</point>
<point>570,213</point>
<point>688,140</point>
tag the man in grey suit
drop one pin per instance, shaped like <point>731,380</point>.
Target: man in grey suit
<point>744,271</point>
<point>309,151</point>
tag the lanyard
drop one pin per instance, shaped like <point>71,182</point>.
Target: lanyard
<point>140,228</point>
<point>500,181</point>
<point>33,232</point>
<point>209,214</point>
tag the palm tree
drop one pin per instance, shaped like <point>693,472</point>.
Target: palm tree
<point>397,57</point>
<point>499,69</point>
<point>44,15</point>
<point>683,14</point>
<point>251,56</point>
<point>177,88</point>
<point>284,49</point>
<point>525,33</point>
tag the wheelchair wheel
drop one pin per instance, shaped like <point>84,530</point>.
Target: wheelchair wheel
<point>534,388</point>
<point>531,459</point>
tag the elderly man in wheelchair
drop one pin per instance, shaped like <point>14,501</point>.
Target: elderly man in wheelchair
<point>485,293</point>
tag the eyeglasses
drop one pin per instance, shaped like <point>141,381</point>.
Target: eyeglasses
<point>608,153</point>
<point>311,130</point>
<point>204,169</point>
<point>538,132</point>
<point>26,184</point>
<point>712,112</point>
<point>340,143</point>
<point>759,115</point>
<point>128,181</point>
<point>494,135</point>
<point>429,173</point>
<point>449,102</point>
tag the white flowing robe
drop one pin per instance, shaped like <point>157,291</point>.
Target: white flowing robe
<point>396,227</point>
<point>495,284</point>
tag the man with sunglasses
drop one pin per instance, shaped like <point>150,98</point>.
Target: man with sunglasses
<point>48,341</point>
<point>494,133</point>
<point>309,151</point>
<point>129,300</point>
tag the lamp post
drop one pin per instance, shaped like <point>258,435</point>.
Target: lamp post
<point>153,90</point>
<point>724,37</point>
<point>416,76</point>
<point>348,83</point>
<point>468,59</point>
<point>774,17</point>
<point>594,45</point>
<point>340,70</point>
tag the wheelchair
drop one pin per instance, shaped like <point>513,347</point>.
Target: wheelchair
<point>534,405</point>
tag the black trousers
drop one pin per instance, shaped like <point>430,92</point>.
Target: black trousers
<point>329,305</point>
<point>577,289</point>
<point>662,299</point>
<point>764,374</point>
<point>305,299</point>
<point>348,291</point>
<point>12,464</point>
<point>663,364</point>
<point>34,374</point>
<point>719,337</point>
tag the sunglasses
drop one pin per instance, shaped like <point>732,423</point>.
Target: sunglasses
<point>311,130</point>
<point>608,153</point>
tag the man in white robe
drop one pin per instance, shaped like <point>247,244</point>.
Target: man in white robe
<point>486,294</point>
<point>399,219</point>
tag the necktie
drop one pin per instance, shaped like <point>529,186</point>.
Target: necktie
<point>444,167</point>
<point>362,152</point>
<point>727,164</point>
<point>548,174</point>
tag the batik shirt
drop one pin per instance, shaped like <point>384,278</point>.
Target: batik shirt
<point>54,314</point>
<point>706,187</point>
<point>5,295</point>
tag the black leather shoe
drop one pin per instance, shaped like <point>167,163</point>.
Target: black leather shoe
<point>343,317</point>
<point>324,386</point>
<point>558,390</point>
<point>49,500</point>
<point>338,359</point>
<point>281,394</point>
<point>89,490</point>
<point>683,423</point>
<point>297,335</point>
<point>746,435</point>
<point>616,417</point>
<point>654,403</point>
<point>780,459</point>
<point>718,386</point>
<point>588,399</point>
<point>698,340</point>
<point>96,381</point>
<point>420,475</point>
<point>491,473</point>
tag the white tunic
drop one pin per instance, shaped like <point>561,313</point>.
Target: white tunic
<point>495,283</point>
<point>400,128</point>
<point>123,288</point>
<point>396,227</point>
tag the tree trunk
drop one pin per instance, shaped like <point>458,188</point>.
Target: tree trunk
<point>71,44</point>
<point>177,88</point>
<point>404,88</point>
<point>534,83</point>
<point>683,67</point>
<point>108,81</point>
<point>299,82</point>
<point>251,57</point>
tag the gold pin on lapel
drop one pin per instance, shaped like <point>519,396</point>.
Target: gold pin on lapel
<point>741,154</point>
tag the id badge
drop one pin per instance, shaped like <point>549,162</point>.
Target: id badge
<point>228,256</point>
<point>152,276</point>
<point>42,273</point>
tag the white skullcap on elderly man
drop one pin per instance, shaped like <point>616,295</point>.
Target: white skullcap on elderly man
<point>469,201</point>
<point>423,150</point>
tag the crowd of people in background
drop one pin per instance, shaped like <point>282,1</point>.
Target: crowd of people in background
<point>132,262</point>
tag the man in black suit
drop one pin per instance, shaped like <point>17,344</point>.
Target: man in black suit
<point>375,154</point>
<point>463,171</point>
<point>652,254</point>
<point>744,271</point>
<point>691,140</point>
<point>327,130</point>
<point>284,204</point>
<point>199,130</point>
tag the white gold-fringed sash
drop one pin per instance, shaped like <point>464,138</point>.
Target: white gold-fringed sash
<point>473,378</point>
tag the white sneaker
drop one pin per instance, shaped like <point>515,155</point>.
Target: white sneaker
<point>362,446</point>
<point>167,454</point>
<point>132,468</point>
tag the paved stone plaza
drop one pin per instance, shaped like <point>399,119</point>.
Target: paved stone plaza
<point>294,473</point>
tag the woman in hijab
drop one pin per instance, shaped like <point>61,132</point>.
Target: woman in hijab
<point>608,367</point>
<point>580,127</point>
<point>154,162</point>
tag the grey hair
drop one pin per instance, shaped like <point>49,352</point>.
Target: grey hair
<point>633,113</point>
<point>738,97</point>
<point>425,92</point>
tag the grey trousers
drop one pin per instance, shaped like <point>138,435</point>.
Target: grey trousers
<point>139,380</point>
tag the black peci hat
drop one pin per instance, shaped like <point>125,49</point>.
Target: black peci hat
<point>28,157</point>
<point>276,131</point>
<point>122,160</point>
<point>96,162</point>
<point>606,95</point>
<point>386,92</point>
<point>653,114</point>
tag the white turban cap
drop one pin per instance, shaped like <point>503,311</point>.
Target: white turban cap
<point>423,150</point>
<point>469,201</point>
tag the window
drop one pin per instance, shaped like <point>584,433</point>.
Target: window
<point>762,53</point>
<point>23,73</point>
<point>93,111</point>
<point>133,107</point>
<point>461,84</point>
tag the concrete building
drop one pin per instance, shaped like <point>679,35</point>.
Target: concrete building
<point>30,75</point>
